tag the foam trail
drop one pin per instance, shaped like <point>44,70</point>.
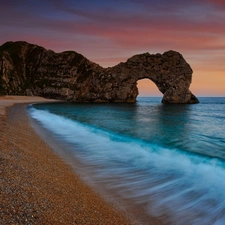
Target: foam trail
<point>187,188</point>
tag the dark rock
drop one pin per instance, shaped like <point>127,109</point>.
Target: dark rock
<point>29,92</point>
<point>27,69</point>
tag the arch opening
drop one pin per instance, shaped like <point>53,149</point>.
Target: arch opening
<point>148,88</point>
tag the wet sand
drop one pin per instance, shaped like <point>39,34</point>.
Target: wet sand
<point>38,187</point>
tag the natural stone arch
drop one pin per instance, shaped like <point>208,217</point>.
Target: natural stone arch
<point>169,71</point>
<point>27,68</point>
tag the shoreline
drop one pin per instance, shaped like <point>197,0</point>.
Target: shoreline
<point>38,186</point>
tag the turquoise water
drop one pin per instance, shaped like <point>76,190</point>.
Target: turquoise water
<point>168,158</point>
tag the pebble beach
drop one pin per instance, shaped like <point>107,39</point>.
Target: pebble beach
<point>38,187</point>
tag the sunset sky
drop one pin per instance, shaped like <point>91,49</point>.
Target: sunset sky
<point>110,31</point>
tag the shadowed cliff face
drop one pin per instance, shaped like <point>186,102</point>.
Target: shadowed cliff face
<point>27,69</point>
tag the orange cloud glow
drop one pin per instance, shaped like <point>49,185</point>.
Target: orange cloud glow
<point>108,32</point>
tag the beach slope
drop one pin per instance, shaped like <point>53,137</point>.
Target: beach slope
<point>37,187</point>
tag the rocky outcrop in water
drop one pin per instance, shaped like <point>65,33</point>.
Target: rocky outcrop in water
<point>27,69</point>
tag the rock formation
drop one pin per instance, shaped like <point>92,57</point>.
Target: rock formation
<point>27,69</point>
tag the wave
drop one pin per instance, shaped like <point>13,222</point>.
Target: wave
<point>185,187</point>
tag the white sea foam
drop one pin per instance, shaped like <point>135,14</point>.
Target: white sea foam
<point>187,188</point>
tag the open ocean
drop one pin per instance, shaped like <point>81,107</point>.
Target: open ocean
<point>170,159</point>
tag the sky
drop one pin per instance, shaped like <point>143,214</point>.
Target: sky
<point>111,31</point>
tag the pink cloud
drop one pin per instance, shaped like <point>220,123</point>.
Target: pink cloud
<point>214,2</point>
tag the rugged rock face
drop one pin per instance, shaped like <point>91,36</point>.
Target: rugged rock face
<point>27,69</point>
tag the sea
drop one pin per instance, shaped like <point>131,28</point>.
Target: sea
<point>167,159</point>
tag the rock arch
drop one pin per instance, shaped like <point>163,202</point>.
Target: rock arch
<point>169,71</point>
<point>27,68</point>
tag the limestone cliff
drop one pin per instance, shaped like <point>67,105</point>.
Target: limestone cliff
<point>27,69</point>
